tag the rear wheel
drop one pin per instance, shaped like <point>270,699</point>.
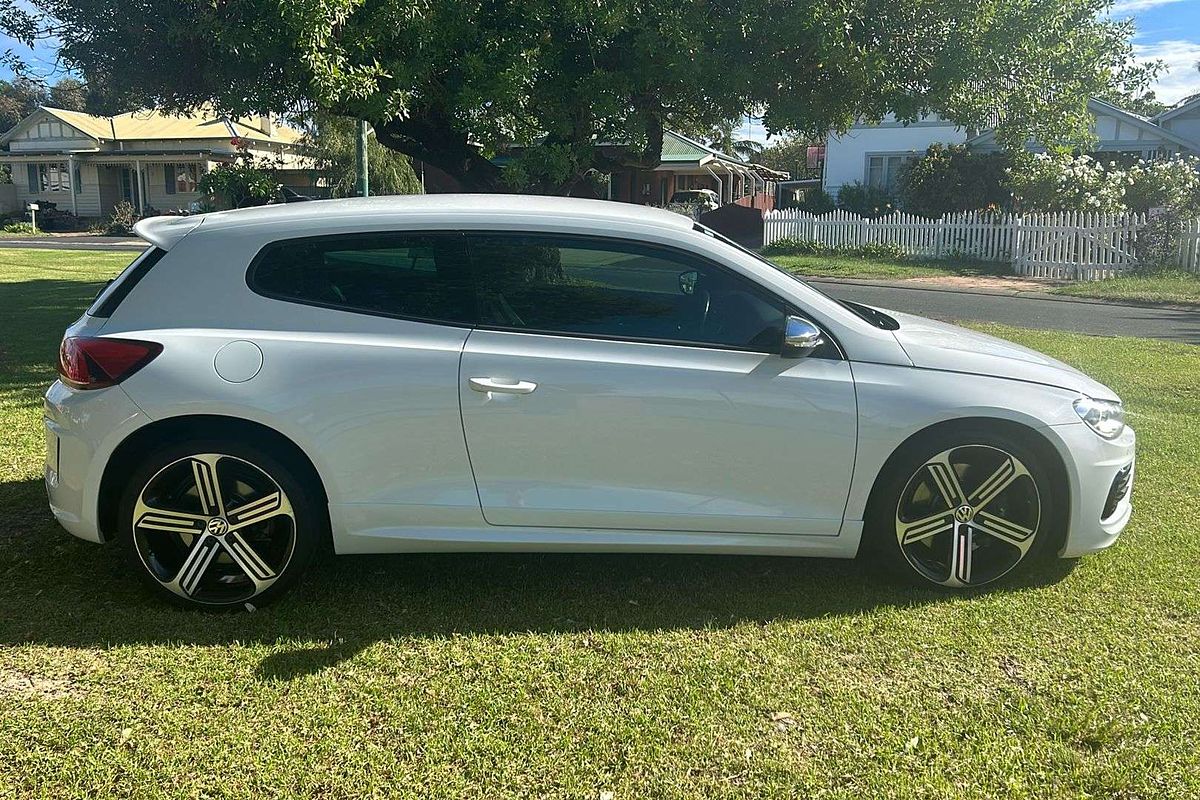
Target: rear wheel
<point>964,512</point>
<point>218,524</point>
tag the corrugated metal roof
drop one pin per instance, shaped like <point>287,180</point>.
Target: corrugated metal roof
<point>676,148</point>
<point>151,125</point>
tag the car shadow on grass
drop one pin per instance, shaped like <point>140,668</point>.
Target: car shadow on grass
<point>61,592</point>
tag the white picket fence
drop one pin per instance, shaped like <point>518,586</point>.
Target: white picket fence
<point>1082,246</point>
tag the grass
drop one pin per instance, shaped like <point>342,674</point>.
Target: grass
<point>1177,288</point>
<point>849,266</point>
<point>572,676</point>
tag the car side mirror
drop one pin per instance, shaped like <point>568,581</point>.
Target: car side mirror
<point>687,281</point>
<point>801,338</point>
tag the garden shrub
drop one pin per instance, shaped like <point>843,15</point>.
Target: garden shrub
<point>866,201</point>
<point>817,201</point>
<point>951,178</point>
<point>807,247</point>
<point>884,251</point>
<point>121,222</point>
<point>789,246</point>
<point>20,227</point>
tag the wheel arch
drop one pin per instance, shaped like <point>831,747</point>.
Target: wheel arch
<point>148,437</point>
<point>1031,436</point>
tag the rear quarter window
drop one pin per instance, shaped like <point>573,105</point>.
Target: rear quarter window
<point>418,276</point>
<point>119,287</point>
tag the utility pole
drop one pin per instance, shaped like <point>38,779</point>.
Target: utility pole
<point>363,182</point>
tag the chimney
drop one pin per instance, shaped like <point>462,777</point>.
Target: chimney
<point>266,124</point>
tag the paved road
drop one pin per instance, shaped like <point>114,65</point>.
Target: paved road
<point>76,243</point>
<point>1101,319</point>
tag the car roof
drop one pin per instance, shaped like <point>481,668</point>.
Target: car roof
<point>164,232</point>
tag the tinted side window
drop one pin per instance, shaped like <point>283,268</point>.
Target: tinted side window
<point>600,288</point>
<point>425,276</point>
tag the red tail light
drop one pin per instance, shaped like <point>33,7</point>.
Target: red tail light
<point>93,363</point>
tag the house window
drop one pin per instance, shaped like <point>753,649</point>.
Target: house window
<point>49,178</point>
<point>883,172</point>
<point>180,178</point>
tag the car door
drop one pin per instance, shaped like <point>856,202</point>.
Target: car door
<point>362,356</point>
<point>617,385</point>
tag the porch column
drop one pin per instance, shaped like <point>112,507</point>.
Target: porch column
<point>71,179</point>
<point>141,188</point>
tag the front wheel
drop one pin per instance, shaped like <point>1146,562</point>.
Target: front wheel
<point>218,524</point>
<point>965,511</point>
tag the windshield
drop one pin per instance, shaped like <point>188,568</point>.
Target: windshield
<point>871,315</point>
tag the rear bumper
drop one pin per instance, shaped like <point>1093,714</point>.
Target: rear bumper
<point>1093,464</point>
<point>82,430</point>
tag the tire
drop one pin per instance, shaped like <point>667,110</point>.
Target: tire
<point>965,508</point>
<point>219,524</point>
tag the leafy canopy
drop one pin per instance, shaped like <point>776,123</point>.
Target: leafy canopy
<point>333,142</point>
<point>582,85</point>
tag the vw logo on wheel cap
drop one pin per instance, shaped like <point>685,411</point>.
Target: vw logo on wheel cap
<point>217,526</point>
<point>962,514</point>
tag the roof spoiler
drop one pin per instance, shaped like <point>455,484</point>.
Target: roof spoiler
<point>165,232</point>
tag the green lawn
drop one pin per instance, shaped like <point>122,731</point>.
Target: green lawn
<point>848,266</point>
<point>1181,288</point>
<point>573,676</point>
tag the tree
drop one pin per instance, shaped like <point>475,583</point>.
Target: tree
<point>246,181</point>
<point>19,25</point>
<point>583,86</point>
<point>69,94</point>
<point>18,99</point>
<point>334,145</point>
<point>789,155</point>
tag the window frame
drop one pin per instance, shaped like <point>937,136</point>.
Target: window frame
<point>700,260</point>
<point>885,157</point>
<point>42,171</point>
<point>357,236</point>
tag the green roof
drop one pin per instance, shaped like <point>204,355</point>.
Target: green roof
<point>676,148</point>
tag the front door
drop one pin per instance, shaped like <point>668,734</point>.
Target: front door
<point>129,187</point>
<point>619,386</point>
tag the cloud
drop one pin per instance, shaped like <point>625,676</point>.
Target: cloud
<point>1124,7</point>
<point>1180,77</point>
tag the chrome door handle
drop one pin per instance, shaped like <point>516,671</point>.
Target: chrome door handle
<point>501,385</point>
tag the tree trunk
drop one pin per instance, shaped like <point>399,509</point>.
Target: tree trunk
<point>438,144</point>
<point>434,141</point>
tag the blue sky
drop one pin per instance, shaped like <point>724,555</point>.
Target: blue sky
<point>1167,30</point>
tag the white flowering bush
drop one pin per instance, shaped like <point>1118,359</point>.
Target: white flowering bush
<point>1052,182</point>
<point>1167,190</point>
<point>1172,185</point>
<point>1056,182</point>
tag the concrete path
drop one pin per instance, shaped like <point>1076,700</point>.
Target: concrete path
<point>1025,309</point>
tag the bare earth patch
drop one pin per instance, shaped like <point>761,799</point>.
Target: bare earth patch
<point>25,684</point>
<point>994,283</point>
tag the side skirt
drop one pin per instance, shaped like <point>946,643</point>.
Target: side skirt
<point>350,539</point>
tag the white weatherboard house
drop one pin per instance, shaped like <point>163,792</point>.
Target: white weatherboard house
<point>86,164</point>
<point>874,154</point>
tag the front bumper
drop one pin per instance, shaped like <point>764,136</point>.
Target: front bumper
<point>1093,464</point>
<point>82,430</point>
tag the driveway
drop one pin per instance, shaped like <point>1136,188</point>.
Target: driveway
<point>1096,318</point>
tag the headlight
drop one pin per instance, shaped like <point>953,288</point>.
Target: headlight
<point>1105,417</point>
